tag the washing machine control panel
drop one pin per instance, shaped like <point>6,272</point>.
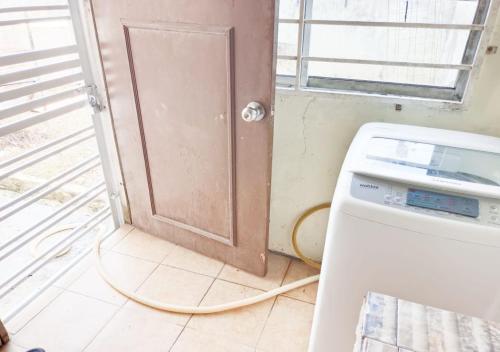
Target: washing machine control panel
<point>425,201</point>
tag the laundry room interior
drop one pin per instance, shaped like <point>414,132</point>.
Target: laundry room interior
<point>265,175</point>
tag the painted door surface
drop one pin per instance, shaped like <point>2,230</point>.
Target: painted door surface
<point>179,73</point>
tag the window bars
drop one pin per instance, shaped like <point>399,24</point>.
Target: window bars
<point>305,80</point>
<point>56,80</point>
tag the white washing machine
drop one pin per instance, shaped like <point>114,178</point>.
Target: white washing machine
<point>415,215</point>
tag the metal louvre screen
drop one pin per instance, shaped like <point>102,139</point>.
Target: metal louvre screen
<point>52,155</point>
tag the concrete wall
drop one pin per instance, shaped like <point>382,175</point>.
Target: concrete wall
<point>313,133</point>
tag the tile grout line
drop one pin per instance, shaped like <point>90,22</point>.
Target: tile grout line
<point>164,264</point>
<point>146,278</point>
<point>96,298</point>
<point>244,285</point>
<point>286,271</point>
<point>136,257</point>
<point>285,294</point>
<point>220,270</point>
<point>102,328</point>
<point>121,239</point>
<point>298,300</point>
<point>61,291</point>
<point>191,316</point>
<point>61,288</point>
<point>252,287</point>
<point>120,308</point>
<point>272,306</point>
<point>189,271</point>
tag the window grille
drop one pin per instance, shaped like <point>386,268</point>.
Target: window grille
<point>413,48</point>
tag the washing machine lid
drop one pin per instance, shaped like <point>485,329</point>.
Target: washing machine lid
<point>447,167</point>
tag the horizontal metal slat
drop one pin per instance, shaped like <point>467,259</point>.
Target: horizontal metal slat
<point>452,26</point>
<point>33,8</point>
<point>326,84</point>
<point>40,86</point>
<point>288,20</point>
<point>33,120</point>
<point>50,220</point>
<point>46,285</point>
<point>39,102</point>
<point>16,278</point>
<point>42,186</point>
<point>287,57</point>
<point>31,20</point>
<point>38,71</point>
<point>388,63</point>
<point>32,161</point>
<point>36,150</point>
<point>26,56</point>
<point>71,177</point>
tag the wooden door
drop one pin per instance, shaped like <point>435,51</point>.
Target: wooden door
<point>179,73</point>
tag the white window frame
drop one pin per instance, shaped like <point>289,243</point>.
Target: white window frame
<point>480,32</point>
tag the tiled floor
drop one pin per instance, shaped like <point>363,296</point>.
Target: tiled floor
<point>82,313</point>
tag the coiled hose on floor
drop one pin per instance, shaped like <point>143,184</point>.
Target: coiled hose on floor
<point>215,308</point>
<point>225,306</point>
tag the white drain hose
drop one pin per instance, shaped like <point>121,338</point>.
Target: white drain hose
<point>194,309</point>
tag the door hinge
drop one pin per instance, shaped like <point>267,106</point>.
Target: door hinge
<point>94,98</point>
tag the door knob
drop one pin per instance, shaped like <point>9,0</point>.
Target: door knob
<point>253,112</point>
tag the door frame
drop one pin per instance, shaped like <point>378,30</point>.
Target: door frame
<point>87,40</point>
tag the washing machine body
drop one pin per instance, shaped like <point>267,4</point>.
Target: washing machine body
<point>415,215</point>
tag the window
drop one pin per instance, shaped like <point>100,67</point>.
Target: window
<point>414,48</point>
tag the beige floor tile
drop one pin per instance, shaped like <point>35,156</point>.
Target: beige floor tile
<point>132,330</point>
<point>75,272</point>
<point>128,272</point>
<point>117,236</point>
<point>288,327</point>
<point>298,270</point>
<point>32,309</point>
<point>189,260</point>
<point>67,324</point>
<point>193,341</point>
<point>145,246</point>
<point>241,325</point>
<point>277,266</point>
<point>176,286</point>
<point>174,318</point>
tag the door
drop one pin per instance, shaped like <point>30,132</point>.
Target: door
<point>179,74</point>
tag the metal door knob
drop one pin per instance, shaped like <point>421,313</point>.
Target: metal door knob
<point>254,111</point>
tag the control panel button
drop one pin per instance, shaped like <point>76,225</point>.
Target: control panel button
<point>494,209</point>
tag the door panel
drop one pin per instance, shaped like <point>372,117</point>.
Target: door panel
<point>178,74</point>
<point>189,159</point>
